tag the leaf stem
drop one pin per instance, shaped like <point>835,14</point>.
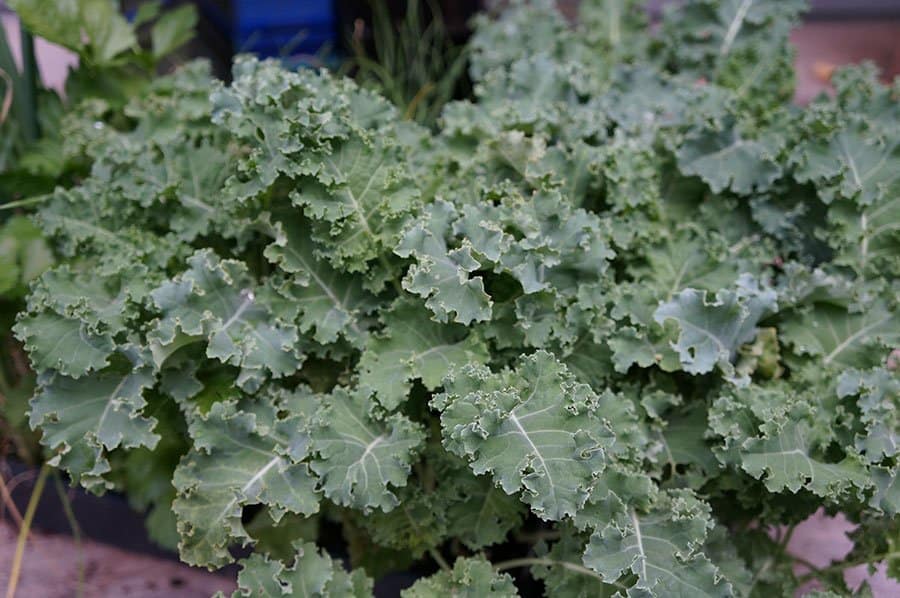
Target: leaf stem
<point>22,203</point>
<point>439,559</point>
<point>5,386</point>
<point>411,108</point>
<point>76,531</point>
<point>802,561</point>
<point>30,126</point>
<point>788,533</point>
<point>759,574</point>
<point>23,531</point>
<point>838,567</point>
<point>10,504</point>
<point>575,567</point>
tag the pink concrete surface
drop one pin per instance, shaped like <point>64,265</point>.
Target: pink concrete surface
<point>822,540</point>
<point>57,567</point>
<point>821,46</point>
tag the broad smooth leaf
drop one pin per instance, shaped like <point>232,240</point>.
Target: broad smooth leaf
<point>92,28</point>
<point>173,29</point>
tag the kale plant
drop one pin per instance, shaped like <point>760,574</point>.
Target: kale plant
<point>622,317</point>
<point>46,139</point>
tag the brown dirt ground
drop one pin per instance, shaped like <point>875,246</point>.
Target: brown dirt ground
<point>51,565</point>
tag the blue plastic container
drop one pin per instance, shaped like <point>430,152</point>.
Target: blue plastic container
<point>283,28</point>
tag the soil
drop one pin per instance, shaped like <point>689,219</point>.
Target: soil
<point>50,569</point>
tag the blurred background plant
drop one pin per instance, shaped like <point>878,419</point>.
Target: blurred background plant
<point>409,56</point>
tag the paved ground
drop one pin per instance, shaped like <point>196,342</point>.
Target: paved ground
<point>51,570</point>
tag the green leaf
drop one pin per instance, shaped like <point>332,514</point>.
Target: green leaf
<point>498,43</point>
<point>879,402</point>
<point>115,235</point>
<point>470,577</point>
<point>615,27</point>
<point>83,419</point>
<point>241,458</point>
<point>414,347</point>
<point>842,339</point>
<point>534,429</point>
<point>855,163</point>
<point>330,302</point>
<point>539,240</point>
<point>689,258</point>
<point>711,332</point>
<point>359,459</point>
<point>173,29</point>
<point>217,300</point>
<point>467,302</point>
<point>67,345</point>
<point>740,43</point>
<point>363,195</point>
<point>24,255</point>
<point>563,573</point>
<point>784,461</point>
<point>461,505</point>
<point>146,474</point>
<point>441,275</point>
<point>725,160</point>
<point>867,237</point>
<point>417,525</point>
<point>100,302</point>
<point>685,445</point>
<point>276,538</point>
<point>92,28</point>
<point>661,548</point>
<point>887,490</point>
<point>312,573</point>
<point>477,512</point>
<point>146,12</point>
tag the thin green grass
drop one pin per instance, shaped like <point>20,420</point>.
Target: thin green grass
<point>415,62</point>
